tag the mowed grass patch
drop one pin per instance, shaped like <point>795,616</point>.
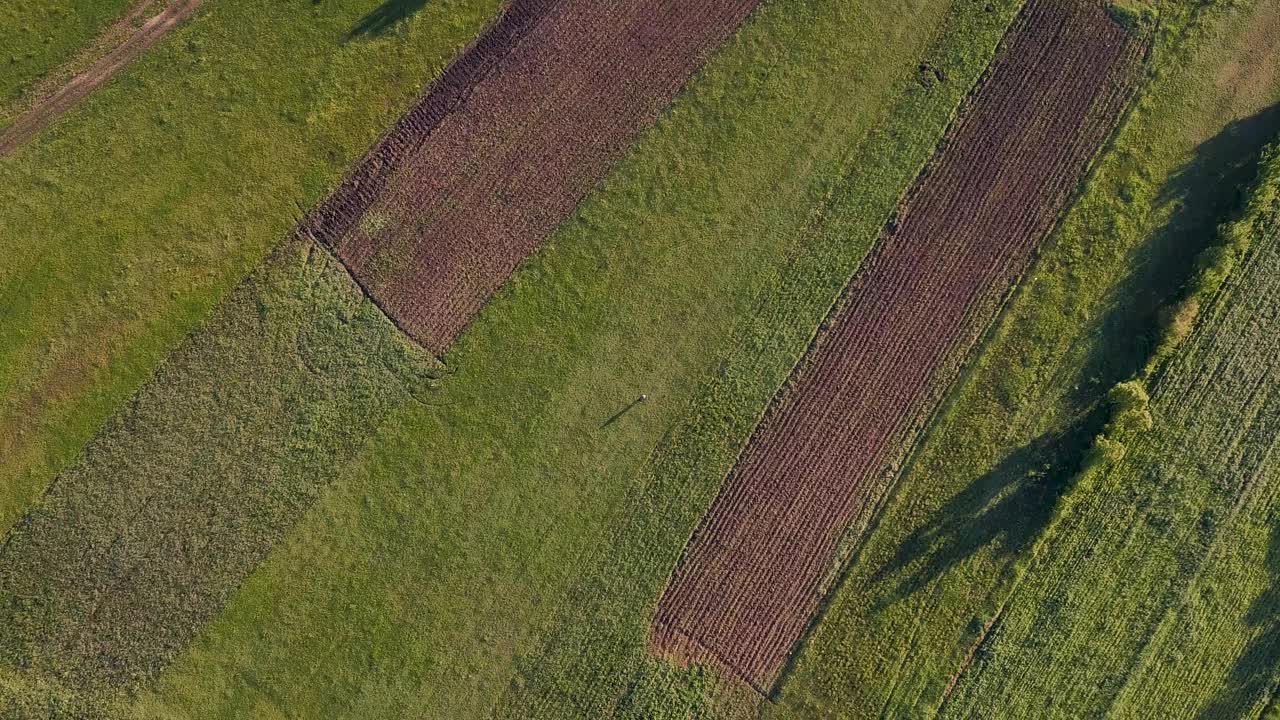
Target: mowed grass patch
<point>445,554</point>
<point>124,222</point>
<point>139,542</point>
<point>37,37</point>
<point>1155,596</point>
<point>985,481</point>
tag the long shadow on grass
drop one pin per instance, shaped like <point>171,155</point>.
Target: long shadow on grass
<point>1203,195</point>
<point>1254,671</point>
<point>1011,504</point>
<point>1007,508</point>
<point>386,16</point>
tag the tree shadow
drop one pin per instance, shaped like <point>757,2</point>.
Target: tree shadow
<point>1254,671</point>
<point>383,18</point>
<point>1010,505</point>
<point>1201,196</point>
<point>1004,510</point>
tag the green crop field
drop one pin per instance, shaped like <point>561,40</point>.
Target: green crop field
<point>258,409</point>
<point>1157,592</point>
<point>232,487</point>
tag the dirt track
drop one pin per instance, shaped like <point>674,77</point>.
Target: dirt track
<point>50,107</point>
<point>753,574</point>
<point>505,144</point>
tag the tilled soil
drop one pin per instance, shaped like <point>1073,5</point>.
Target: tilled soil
<point>49,108</point>
<point>754,572</point>
<point>502,148</point>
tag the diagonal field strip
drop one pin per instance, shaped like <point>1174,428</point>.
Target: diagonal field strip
<point>48,109</point>
<point>180,496</point>
<point>752,575</point>
<point>502,148</point>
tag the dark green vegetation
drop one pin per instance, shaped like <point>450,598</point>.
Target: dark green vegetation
<point>984,484</point>
<point>1157,594</point>
<point>437,563</point>
<point>662,692</point>
<point>140,542</point>
<point>37,37</point>
<point>126,221</point>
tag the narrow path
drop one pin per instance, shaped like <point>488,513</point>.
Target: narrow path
<point>50,107</point>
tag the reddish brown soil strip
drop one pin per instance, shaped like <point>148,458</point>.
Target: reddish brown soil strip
<point>50,107</point>
<point>753,573</point>
<point>505,144</point>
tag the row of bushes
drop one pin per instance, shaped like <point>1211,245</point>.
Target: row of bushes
<point>1128,402</point>
<point>1216,263</point>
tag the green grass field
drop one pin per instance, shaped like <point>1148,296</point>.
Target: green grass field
<point>985,481</point>
<point>1156,596</point>
<point>230,488</point>
<point>219,137</point>
<point>185,491</point>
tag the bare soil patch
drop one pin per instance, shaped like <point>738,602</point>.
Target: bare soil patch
<point>501,149</point>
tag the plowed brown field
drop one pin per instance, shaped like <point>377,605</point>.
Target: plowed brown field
<point>754,571</point>
<point>502,148</point>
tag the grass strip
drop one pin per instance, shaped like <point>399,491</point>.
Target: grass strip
<point>143,539</point>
